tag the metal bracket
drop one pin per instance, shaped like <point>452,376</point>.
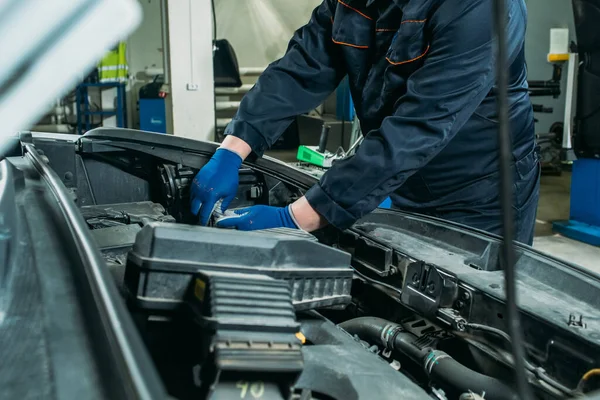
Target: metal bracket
<point>427,289</point>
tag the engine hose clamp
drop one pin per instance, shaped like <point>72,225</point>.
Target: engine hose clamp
<point>389,334</point>
<point>432,359</point>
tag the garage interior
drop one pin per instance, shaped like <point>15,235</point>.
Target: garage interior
<point>179,35</point>
<point>121,276</point>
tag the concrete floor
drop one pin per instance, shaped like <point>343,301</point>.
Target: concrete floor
<point>554,206</point>
<point>555,193</point>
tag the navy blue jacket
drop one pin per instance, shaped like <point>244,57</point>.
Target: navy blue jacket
<point>421,75</point>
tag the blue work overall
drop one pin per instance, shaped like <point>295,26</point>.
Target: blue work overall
<point>422,76</point>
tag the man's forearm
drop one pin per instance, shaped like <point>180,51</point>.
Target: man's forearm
<point>237,145</point>
<point>306,217</point>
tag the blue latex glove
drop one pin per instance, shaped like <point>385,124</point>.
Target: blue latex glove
<point>215,184</point>
<point>258,217</point>
<point>387,203</point>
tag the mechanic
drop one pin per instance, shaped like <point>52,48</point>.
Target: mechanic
<point>421,75</point>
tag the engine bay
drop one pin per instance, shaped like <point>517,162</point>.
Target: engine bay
<point>237,309</point>
<point>159,264</point>
<point>400,305</point>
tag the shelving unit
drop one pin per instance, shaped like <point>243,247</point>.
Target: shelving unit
<point>84,113</point>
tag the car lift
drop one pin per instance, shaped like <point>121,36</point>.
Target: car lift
<point>581,136</point>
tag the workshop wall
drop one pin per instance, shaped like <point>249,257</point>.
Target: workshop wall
<point>145,44</point>
<point>542,16</point>
<point>259,30</point>
<point>144,51</point>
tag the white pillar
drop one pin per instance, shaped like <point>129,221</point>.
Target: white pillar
<point>190,103</point>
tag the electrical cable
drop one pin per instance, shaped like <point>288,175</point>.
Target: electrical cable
<point>375,282</point>
<point>214,17</point>
<point>506,196</point>
<point>489,329</point>
<point>590,373</point>
<point>538,372</point>
<point>490,347</point>
<point>542,380</point>
<point>586,376</point>
<point>439,366</point>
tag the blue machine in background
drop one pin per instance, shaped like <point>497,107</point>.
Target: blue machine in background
<point>153,116</point>
<point>584,221</point>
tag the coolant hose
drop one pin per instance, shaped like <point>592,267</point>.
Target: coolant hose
<point>440,367</point>
<point>385,333</point>
<point>445,370</point>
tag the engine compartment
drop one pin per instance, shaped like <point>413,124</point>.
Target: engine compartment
<point>398,305</point>
<point>158,268</point>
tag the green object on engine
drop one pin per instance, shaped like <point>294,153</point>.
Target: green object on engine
<point>311,155</point>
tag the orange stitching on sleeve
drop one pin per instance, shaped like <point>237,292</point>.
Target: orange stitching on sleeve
<point>403,22</point>
<point>349,44</point>
<point>408,61</point>
<point>414,20</point>
<point>354,9</point>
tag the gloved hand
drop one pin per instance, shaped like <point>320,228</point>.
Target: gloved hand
<point>258,217</point>
<point>215,184</point>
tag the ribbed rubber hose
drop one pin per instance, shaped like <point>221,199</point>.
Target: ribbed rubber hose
<point>448,371</point>
<point>364,327</point>
<point>372,328</point>
<point>440,367</point>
